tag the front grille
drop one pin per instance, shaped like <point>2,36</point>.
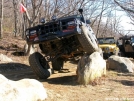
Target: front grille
<point>50,28</point>
<point>53,27</point>
<point>64,25</point>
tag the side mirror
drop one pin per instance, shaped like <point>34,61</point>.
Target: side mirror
<point>42,20</point>
<point>88,22</point>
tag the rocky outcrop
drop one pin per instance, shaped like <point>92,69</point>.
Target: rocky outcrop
<point>4,58</point>
<point>90,67</point>
<point>22,90</point>
<point>120,64</point>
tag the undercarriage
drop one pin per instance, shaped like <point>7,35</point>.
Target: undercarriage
<point>65,48</point>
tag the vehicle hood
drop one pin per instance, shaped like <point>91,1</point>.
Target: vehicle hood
<point>107,45</point>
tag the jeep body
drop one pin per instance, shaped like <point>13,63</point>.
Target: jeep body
<point>60,39</point>
<point>108,46</point>
<point>126,45</point>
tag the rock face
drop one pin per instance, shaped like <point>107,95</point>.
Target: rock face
<point>120,64</point>
<point>4,58</point>
<point>22,90</point>
<point>90,67</point>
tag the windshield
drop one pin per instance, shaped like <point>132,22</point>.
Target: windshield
<point>132,39</point>
<point>106,40</point>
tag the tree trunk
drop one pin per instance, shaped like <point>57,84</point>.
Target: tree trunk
<point>1,18</point>
<point>97,34</point>
<point>15,17</point>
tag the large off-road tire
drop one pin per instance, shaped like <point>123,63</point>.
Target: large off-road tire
<point>57,64</point>
<point>39,65</point>
<point>87,40</point>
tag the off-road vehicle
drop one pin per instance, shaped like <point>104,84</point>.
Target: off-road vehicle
<point>59,40</point>
<point>126,46</point>
<point>108,46</point>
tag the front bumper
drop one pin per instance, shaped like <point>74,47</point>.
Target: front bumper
<point>52,36</point>
<point>52,31</point>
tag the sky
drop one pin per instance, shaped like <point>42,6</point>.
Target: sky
<point>125,22</point>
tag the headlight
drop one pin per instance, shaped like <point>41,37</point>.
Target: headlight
<point>32,32</point>
<point>107,48</point>
<point>33,35</point>
<point>71,23</point>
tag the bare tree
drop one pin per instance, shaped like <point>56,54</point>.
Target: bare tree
<point>32,19</point>
<point>15,17</point>
<point>102,10</point>
<point>128,6</point>
<point>95,10</point>
<point>1,18</point>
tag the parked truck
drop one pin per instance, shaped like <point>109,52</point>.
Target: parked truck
<point>126,46</point>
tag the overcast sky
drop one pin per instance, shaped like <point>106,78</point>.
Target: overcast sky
<point>125,22</point>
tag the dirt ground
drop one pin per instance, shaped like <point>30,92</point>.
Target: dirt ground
<point>62,85</point>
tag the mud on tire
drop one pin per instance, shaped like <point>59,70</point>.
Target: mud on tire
<point>39,65</point>
<point>87,40</point>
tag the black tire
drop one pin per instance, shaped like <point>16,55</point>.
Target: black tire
<point>39,65</point>
<point>57,64</point>
<point>87,40</point>
<point>122,54</point>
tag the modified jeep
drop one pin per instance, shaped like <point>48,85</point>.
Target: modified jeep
<point>59,40</point>
<point>126,45</point>
<point>108,46</point>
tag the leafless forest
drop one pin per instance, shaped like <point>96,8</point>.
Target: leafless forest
<point>14,22</point>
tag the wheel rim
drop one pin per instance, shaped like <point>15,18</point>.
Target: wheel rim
<point>91,37</point>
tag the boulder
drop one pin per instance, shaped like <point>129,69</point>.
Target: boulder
<point>21,90</point>
<point>90,67</point>
<point>120,64</point>
<point>4,58</point>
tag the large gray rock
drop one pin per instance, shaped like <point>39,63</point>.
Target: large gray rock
<point>4,58</point>
<point>90,67</point>
<point>22,90</point>
<point>120,64</point>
